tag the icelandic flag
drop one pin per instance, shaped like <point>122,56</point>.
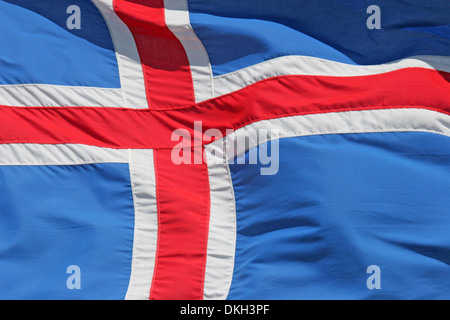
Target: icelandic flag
<point>117,117</point>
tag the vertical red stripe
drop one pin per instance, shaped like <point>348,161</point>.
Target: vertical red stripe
<point>183,219</point>
<point>165,64</point>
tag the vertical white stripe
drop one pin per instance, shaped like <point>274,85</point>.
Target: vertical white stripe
<point>222,227</point>
<point>142,175</point>
<point>130,67</point>
<point>177,19</point>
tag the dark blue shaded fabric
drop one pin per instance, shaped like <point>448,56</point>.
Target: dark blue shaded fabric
<point>238,34</point>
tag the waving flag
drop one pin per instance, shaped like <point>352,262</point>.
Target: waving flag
<point>205,149</point>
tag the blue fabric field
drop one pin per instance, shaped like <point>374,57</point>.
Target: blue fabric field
<point>53,217</point>
<point>38,48</point>
<point>339,204</point>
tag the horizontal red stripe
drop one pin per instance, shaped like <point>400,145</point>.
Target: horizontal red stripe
<point>272,98</point>
<point>296,95</point>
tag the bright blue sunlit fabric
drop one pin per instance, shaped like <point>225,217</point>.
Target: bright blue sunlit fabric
<point>36,46</point>
<point>339,204</point>
<point>238,34</point>
<point>53,217</point>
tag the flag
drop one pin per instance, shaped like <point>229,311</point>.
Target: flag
<point>241,150</point>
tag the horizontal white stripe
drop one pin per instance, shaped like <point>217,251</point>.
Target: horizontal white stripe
<point>142,175</point>
<point>41,95</point>
<point>368,121</point>
<point>177,19</point>
<point>62,154</point>
<point>222,228</point>
<point>303,65</point>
